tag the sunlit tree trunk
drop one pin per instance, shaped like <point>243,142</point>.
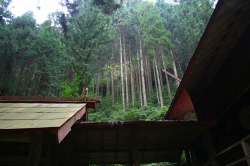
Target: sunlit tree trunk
<point>107,87</point>
<point>155,80</point>
<point>31,81</point>
<point>126,74</point>
<point>175,70</point>
<point>112,79</point>
<point>150,77</point>
<point>146,74</point>
<point>147,67</point>
<point>160,75</point>
<point>121,70</point>
<point>167,81</point>
<point>142,77</point>
<point>132,78</point>
<point>179,65</point>
<point>159,83</point>
<point>139,79</point>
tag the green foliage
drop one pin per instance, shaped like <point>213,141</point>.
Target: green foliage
<point>105,112</point>
<point>71,90</point>
<point>160,164</point>
<point>91,94</point>
<point>154,33</point>
<point>186,20</point>
<point>5,13</point>
<point>86,32</point>
<point>108,6</point>
<point>63,54</point>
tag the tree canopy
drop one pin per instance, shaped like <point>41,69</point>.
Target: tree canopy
<point>114,48</point>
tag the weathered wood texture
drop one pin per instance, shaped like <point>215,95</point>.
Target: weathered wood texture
<point>36,115</point>
<point>218,73</point>
<point>35,150</point>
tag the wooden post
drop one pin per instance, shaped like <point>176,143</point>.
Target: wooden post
<point>188,159</point>
<point>136,149</point>
<point>35,150</point>
<point>246,149</point>
<point>52,155</point>
<point>210,146</point>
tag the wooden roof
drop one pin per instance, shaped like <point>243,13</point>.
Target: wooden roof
<point>103,143</point>
<point>58,117</point>
<point>218,74</point>
<point>118,142</point>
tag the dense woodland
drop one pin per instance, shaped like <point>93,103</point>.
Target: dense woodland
<point>116,49</point>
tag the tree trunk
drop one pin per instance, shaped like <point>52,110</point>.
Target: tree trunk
<point>167,81</point>
<point>97,84</point>
<point>146,74</point>
<point>38,83</point>
<point>18,80</point>
<point>159,84</point>
<point>101,91</point>
<point>4,79</point>
<point>142,77</point>
<point>160,74</point>
<point>126,74</point>
<point>139,79</point>
<point>150,77</point>
<point>156,86</point>
<point>132,78</point>
<point>31,82</point>
<point>107,87</point>
<point>175,70</point>
<point>122,84</point>
<point>2,71</point>
<point>179,64</point>
<point>147,66</point>
<point>112,79</point>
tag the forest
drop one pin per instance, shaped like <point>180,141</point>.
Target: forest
<point>116,49</point>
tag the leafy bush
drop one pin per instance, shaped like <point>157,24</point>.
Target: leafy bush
<point>71,90</point>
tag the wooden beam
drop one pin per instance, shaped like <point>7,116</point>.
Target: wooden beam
<point>238,161</point>
<point>35,150</point>
<point>53,152</point>
<point>130,145</point>
<point>102,145</point>
<point>209,146</point>
<point>15,137</point>
<point>66,127</point>
<point>16,160</point>
<point>136,153</point>
<point>165,128</point>
<point>116,145</point>
<point>246,149</point>
<point>23,99</point>
<point>149,150</point>
<point>13,159</point>
<point>70,154</point>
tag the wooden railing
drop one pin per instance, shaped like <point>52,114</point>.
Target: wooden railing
<point>236,154</point>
